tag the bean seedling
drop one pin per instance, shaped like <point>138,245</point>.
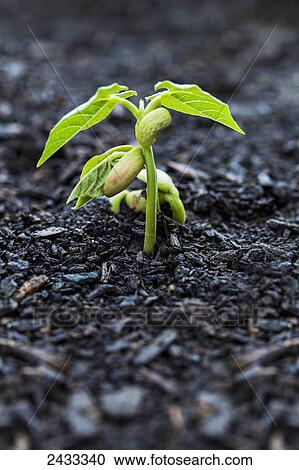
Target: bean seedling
<point>111,173</point>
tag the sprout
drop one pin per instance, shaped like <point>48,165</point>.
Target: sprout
<point>112,172</point>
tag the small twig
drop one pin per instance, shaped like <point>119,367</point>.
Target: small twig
<point>32,354</point>
<point>268,353</point>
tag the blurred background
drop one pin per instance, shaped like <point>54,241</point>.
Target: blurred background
<point>55,54</point>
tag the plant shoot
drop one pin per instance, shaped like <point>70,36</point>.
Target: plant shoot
<point>112,172</point>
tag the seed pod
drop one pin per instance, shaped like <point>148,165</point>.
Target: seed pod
<point>164,182</point>
<point>135,200</point>
<point>146,130</point>
<point>124,172</point>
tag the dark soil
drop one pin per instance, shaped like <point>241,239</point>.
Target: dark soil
<point>197,347</point>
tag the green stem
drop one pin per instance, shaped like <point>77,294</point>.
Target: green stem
<point>155,103</point>
<point>129,105</point>
<point>151,202</point>
<point>176,205</point>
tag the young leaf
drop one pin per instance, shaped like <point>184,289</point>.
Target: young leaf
<point>115,153</point>
<point>91,185</point>
<point>97,108</point>
<point>92,162</point>
<point>191,99</point>
<point>82,201</point>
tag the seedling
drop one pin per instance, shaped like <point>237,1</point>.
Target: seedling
<point>111,173</point>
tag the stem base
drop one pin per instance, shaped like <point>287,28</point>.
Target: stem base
<point>151,202</point>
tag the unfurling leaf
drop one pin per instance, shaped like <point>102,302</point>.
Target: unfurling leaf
<point>94,175</point>
<point>114,153</point>
<point>92,162</point>
<point>91,185</point>
<point>97,108</point>
<point>191,99</point>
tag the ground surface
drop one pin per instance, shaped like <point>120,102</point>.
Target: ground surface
<point>198,347</point>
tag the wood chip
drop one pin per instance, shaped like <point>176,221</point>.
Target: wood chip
<point>268,353</point>
<point>174,241</point>
<point>146,354</point>
<point>153,377</point>
<point>33,285</point>
<point>26,352</point>
<point>176,418</point>
<point>49,232</point>
<point>186,170</point>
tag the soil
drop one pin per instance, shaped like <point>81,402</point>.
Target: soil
<point>100,346</point>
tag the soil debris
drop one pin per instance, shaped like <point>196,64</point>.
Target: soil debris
<point>148,353</point>
<point>31,286</point>
<point>122,404</point>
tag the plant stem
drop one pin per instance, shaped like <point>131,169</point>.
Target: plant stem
<point>151,202</point>
<point>155,103</point>
<point>129,105</point>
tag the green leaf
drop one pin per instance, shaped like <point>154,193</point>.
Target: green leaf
<point>97,108</point>
<point>191,99</point>
<point>155,95</point>
<point>92,162</point>
<point>82,201</point>
<point>127,94</point>
<point>87,187</point>
<point>91,185</point>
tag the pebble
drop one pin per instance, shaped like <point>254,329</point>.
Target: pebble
<point>6,110</point>
<point>81,278</point>
<point>273,326</point>
<point>129,301</point>
<point>146,354</point>
<point>216,412</point>
<point>49,232</point>
<point>8,286</point>
<point>119,345</point>
<point>14,69</point>
<point>7,306</point>
<point>290,147</point>
<point>281,225</point>
<point>11,130</point>
<point>124,403</point>
<point>104,289</point>
<point>76,268</point>
<point>152,377</point>
<point>264,179</point>
<point>81,414</point>
<point>17,266</point>
<point>174,241</point>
